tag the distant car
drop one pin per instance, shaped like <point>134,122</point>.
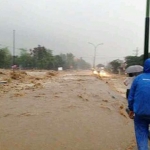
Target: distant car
<point>95,72</point>
<point>102,73</point>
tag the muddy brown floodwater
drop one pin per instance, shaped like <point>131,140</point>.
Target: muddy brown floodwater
<point>73,111</point>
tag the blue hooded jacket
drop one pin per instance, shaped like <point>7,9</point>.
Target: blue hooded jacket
<point>139,96</point>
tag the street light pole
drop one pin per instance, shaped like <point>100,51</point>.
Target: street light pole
<point>95,47</point>
<point>146,41</point>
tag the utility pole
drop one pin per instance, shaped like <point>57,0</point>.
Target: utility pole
<point>146,40</point>
<point>13,47</point>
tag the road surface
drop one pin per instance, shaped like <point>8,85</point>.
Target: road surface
<point>74,111</point>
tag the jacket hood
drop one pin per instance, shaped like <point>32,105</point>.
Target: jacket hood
<point>147,66</point>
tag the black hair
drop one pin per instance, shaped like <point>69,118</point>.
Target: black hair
<point>131,74</point>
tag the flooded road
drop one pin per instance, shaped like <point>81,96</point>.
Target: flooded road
<point>74,111</point>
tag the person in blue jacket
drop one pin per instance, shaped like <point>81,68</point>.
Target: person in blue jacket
<point>139,106</point>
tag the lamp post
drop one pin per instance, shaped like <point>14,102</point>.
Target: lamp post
<point>146,40</point>
<point>95,47</point>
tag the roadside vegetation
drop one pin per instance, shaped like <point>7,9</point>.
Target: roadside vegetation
<point>40,58</point>
<point>119,65</point>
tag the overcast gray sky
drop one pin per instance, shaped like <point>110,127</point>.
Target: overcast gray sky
<point>68,25</point>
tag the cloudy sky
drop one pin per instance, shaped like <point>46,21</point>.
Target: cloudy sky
<point>68,25</point>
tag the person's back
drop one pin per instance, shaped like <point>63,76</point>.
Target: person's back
<point>142,95</point>
<point>139,106</point>
<point>140,92</point>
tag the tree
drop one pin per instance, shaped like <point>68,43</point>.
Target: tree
<point>68,60</point>
<point>58,61</point>
<point>25,60</point>
<point>115,65</point>
<point>5,58</point>
<point>82,64</point>
<point>100,65</point>
<point>133,60</point>
<point>42,58</point>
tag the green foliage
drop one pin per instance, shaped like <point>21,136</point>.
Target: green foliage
<point>129,60</point>
<point>5,58</point>
<point>69,62</point>
<point>134,60</point>
<point>25,60</point>
<point>40,58</point>
<point>58,61</point>
<point>115,65</point>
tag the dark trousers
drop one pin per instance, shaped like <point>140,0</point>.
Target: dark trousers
<point>127,93</point>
